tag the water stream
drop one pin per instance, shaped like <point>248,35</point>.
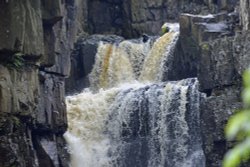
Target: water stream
<point>129,117</point>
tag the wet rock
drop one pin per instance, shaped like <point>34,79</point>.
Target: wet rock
<point>48,149</point>
<point>183,63</point>
<point>145,38</point>
<point>83,59</point>
<point>215,111</point>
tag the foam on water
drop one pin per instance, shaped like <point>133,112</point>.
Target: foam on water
<point>133,118</point>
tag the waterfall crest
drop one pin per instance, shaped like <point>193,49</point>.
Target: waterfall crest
<point>133,118</point>
<point>131,60</point>
<point>153,66</point>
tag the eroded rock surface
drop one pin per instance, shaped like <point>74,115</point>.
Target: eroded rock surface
<point>36,39</point>
<point>222,55</point>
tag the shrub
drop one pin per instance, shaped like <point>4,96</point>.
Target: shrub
<point>238,129</point>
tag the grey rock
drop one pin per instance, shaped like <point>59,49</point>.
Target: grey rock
<point>207,43</point>
<point>183,63</point>
<point>132,18</point>
<point>245,14</point>
<point>202,28</point>
<point>49,150</point>
<point>49,47</point>
<point>215,111</point>
<point>20,115</point>
<point>21,27</point>
<point>103,17</point>
<point>32,107</point>
<point>52,107</point>
<point>19,91</point>
<point>62,36</point>
<point>216,66</point>
<point>51,11</point>
<point>16,146</point>
<point>241,51</point>
<point>5,90</point>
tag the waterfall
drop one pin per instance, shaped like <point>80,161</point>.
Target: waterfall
<point>132,60</point>
<point>129,117</point>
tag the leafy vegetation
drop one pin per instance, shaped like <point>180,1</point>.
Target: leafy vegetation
<point>205,46</point>
<point>164,29</point>
<point>16,61</point>
<point>238,129</point>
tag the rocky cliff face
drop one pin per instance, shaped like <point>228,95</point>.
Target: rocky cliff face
<point>221,58</point>
<point>35,42</point>
<point>133,17</point>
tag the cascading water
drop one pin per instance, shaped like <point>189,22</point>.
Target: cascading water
<point>133,119</point>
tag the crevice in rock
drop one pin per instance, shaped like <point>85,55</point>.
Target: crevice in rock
<point>208,92</point>
<point>42,69</point>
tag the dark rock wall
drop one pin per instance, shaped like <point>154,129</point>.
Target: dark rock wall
<point>21,27</point>
<point>36,38</point>
<point>133,17</point>
<point>222,43</point>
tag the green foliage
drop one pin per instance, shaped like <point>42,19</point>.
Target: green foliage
<point>205,46</point>
<point>16,61</point>
<point>238,128</point>
<point>15,121</point>
<point>164,29</point>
